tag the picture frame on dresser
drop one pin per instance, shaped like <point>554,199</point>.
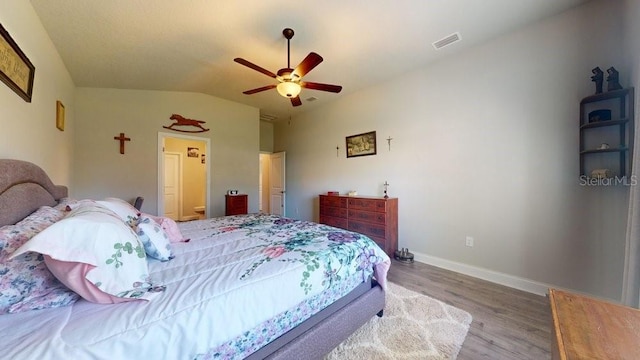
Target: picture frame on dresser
<point>361,145</point>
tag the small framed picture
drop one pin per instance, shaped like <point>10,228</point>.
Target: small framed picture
<point>59,115</point>
<point>193,152</point>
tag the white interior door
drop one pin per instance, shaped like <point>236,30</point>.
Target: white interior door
<point>277,189</point>
<point>264,183</point>
<point>172,185</point>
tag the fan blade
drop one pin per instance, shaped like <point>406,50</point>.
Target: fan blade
<point>254,67</point>
<point>321,87</point>
<point>253,91</point>
<point>296,101</point>
<point>312,60</point>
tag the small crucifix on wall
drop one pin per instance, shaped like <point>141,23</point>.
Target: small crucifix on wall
<point>389,142</point>
<point>386,185</point>
<point>122,139</point>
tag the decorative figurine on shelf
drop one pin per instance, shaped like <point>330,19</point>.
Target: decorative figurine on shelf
<point>598,77</point>
<point>386,185</point>
<point>613,79</point>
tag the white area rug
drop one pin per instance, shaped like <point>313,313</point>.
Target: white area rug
<point>414,326</point>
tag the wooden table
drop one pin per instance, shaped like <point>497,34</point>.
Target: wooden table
<point>588,328</point>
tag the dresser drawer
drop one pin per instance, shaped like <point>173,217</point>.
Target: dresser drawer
<point>371,217</point>
<point>336,201</point>
<point>368,205</point>
<point>381,242</point>
<point>334,221</point>
<point>375,217</point>
<point>236,204</point>
<point>334,211</point>
<point>367,228</point>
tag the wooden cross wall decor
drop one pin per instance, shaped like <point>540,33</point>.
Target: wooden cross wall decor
<point>122,139</point>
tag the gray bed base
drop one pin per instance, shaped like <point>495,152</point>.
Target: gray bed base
<point>24,187</point>
<point>318,335</point>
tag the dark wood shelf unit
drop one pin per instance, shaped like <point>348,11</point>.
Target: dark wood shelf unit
<point>375,217</point>
<point>621,104</point>
<point>604,123</point>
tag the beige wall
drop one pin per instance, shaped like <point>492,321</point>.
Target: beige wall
<point>266,136</point>
<point>85,157</point>
<point>485,144</point>
<point>104,113</point>
<point>29,129</point>
<point>194,174</point>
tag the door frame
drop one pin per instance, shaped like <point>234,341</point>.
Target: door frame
<point>161,137</point>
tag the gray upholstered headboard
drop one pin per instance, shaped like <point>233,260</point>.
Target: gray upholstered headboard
<point>24,187</point>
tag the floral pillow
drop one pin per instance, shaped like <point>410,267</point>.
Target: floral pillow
<point>170,228</point>
<point>25,282</point>
<point>93,235</point>
<point>155,240</point>
<point>123,209</point>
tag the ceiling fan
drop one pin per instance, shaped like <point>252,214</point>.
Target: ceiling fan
<point>290,80</point>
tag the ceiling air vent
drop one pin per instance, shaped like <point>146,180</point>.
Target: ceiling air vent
<point>448,40</point>
<point>268,117</point>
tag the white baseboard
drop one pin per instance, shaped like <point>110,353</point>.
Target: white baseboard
<point>190,217</point>
<point>515,282</point>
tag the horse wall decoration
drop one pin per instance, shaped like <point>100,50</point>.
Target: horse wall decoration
<point>179,120</point>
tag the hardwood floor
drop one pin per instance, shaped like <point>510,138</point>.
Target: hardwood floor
<point>507,323</point>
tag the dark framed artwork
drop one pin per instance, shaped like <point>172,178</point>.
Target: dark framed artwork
<point>193,152</point>
<point>15,68</point>
<point>361,144</point>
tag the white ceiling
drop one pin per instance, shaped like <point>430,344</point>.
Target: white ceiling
<point>189,45</point>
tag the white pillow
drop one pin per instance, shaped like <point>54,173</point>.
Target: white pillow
<point>123,209</point>
<point>92,234</point>
<point>155,240</point>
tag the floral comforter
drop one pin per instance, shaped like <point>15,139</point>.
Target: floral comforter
<point>309,265</point>
<point>240,282</point>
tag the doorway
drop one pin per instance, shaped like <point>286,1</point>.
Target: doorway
<point>272,183</point>
<point>183,176</point>
<point>172,195</point>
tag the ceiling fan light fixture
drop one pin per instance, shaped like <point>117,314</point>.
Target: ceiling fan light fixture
<point>289,89</point>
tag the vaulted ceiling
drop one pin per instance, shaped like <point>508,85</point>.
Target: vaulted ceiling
<point>190,45</point>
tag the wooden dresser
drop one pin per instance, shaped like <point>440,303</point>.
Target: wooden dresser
<point>375,217</point>
<point>588,328</point>
<point>236,204</point>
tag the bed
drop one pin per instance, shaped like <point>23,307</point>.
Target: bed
<point>251,286</point>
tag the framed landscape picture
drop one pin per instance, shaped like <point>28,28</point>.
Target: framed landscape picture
<point>361,144</point>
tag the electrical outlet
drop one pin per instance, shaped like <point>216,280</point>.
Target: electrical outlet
<point>469,241</point>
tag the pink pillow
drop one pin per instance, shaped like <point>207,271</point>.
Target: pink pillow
<point>73,275</point>
<point>169,226</point>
